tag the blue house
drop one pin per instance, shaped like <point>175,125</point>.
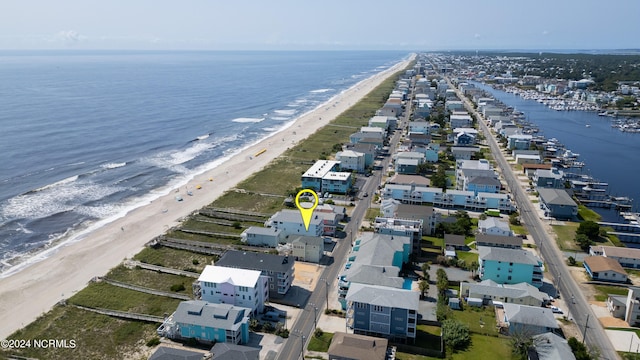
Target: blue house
<point>206,322</point>
<point>509,266</point>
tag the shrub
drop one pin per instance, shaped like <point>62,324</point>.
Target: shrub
<point>177,287</point>
<point>318,333</point>
<point>455,334</point>
<point>195,262</point>
<point>153,341</point>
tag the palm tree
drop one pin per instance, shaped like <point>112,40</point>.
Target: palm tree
<point>423,285</point>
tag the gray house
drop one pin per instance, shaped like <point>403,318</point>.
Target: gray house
<point>557,203</point>
<point>382,311</point>
<point>532,320</point>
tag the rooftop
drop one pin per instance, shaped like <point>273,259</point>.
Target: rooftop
<point>222,274</point>
<point>402,179</point>
<point>519,256</point>
<point>352,346</point>
<point>202,313</point>
<point>256,261</point>
<point>601,263</point>
<point>530,315</point>
<point>555,197</point>
<point>497,239</point>
<point>320,168</point>
<point>383,296</point>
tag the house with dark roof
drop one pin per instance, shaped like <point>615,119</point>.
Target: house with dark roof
<point>557,203</point>
<point>208,323</point>
<point>227,351</point>
<point>455,241</point>
<point>511,242</point>
<point>167,353</point>
<point>604,269</point>
<point>279,269</point>
<point>355,347</point>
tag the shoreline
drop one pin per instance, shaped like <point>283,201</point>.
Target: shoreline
<point>37,287</point>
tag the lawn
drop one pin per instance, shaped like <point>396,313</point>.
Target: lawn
<point>565,235</point>
<point>433,241</point>
<point>585,213</point>
<point>174,258</point>
<point>149,279</point>
<point>96,336</point>
<point>480,320</point>
<point>468,257</point>
<point>485,347</point>
<point>321,343</point>
<point>604,290</point>
<point>371,214</point>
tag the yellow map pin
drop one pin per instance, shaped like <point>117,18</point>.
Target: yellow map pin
<point>306,212</point>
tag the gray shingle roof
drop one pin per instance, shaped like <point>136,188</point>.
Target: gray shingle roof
<point>167,353</point>
<point>202,313</point>
<point>228,351</point>
<point>256,261</point>
<point>516,291</point>
<point>383,296</point>
<point>556,197</point>
<point>519,256</point>
<point>497,239</point>
<point>530,315</point>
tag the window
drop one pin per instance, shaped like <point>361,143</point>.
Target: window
<point>509,277</point>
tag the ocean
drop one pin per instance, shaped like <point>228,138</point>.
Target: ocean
<point>609,155</point>
<point>88,136</point>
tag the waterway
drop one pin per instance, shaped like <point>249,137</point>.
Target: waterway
<point>610,155</point>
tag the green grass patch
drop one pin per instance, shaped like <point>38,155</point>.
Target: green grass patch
<point>480,320</point>
<point>321,343</point>
<point>604,290</point>
<point>372,213</point>
<point>250,202</point>
<point>96,336</point>
<point>433,241</point>
<point>585,213</point>
<point>279,177</point>
<point>519,229</point>
<point>149,279</point>
<point>174,258</point>
<point>485,347</point>
<point>106,296</point>
<point>467,256</point>
<point>565,235</point>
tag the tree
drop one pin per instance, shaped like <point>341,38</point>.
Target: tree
<point>455,334</point>
<point>579,350</point>
<point>571,261</point>
<point>514,219</point>
<point>423,285</point>
<point>583,241</point>
<point>442,282</point>
<point>473,267</point>
<point>589,228</point>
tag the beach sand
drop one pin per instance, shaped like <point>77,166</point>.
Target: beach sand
<point>36,289</point>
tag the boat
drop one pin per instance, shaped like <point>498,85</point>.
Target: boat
<point>588,125</point>
<point>202,137</point>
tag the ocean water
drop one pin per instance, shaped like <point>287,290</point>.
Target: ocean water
<point>87,136</point>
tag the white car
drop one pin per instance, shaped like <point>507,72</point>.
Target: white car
<point>556,310</point>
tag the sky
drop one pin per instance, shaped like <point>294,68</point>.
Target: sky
<point>416,25</point>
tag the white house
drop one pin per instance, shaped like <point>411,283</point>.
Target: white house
<point>260,236</point>
<point>351,160</point>
<point>290,223</point>
<point>239,287</point>
<point>494,226</point>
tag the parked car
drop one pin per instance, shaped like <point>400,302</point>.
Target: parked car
<point>556,310</point>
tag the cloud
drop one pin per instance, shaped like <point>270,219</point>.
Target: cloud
<point>69,37</point>
<point>477,36</point>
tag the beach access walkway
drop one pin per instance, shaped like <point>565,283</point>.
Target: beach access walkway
<point>122,314</point>
<point>162,269</point>
<point>143,289</point>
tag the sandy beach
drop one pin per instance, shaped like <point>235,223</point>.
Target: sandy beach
<point>36,289</point>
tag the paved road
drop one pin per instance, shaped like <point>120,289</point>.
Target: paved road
<point>579,309</point>
<point>304,326</point>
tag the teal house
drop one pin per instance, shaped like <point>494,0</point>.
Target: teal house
<point>509,266</point>
<point>208,323</point>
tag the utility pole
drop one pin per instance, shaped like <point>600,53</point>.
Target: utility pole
<point>584,332</point>
<point>302,347</point>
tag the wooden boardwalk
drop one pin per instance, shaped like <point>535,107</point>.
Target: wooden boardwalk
<point>161,269</point>
<point>123,314</point>
<point>145,290</point>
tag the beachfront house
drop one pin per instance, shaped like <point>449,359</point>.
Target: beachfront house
<point>312,178</point>
<point>383,311</point>
<point>227,285</point>
<point>290,223</point>
<point>353,347</point>
<point>351,160</point>
<point>261,236</point>
<point>278,269</point>
<point>337,182</point>
<point>208,322</point>
<point>557,203</point>
<point>227,351</point>
<point>509,266</point>
<point>604,269</point>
